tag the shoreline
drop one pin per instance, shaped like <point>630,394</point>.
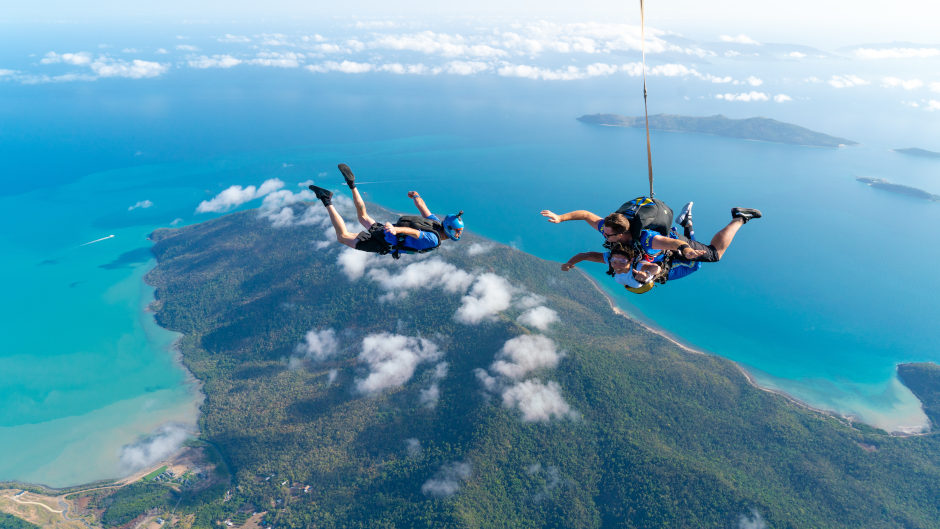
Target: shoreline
<point>848,420</point>
<point>192,385</point>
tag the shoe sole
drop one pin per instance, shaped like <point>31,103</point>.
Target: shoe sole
<point>320,192</point>
<point>685,214</point>
<point>347,173</point>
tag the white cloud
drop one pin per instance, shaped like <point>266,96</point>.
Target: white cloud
<point>907,84</point>
<point>237,195</point>
<point>540,317</point>
<point>228,37</point>
<point>413,447</point>
<point>5,72</point>
<point>277,208</point>
<point>141,204</point>
<point>403,69</point>
<point>433,273</point>
<point>431,43</point>
<point>135,69</point>
<point>537,401</point>
<point>465,67</point>
<point>718,80</point>
<point>313,216</point>
<point>478,249</point>
<point>738,39</point>
<point>102,66</point>
<point>186,47</point>
<point>782,98</point>
<point>343,67</point>
<point>278,60</point>
<point>673,70</point>
<point>524,354</point>
<point>162,443</point>
<point>897,53</point>
<point>796,55</point>
<point>935,87</point>
<point>318,345</point>
<point>76,59</point>
<point>447,480</point>
<point>933,104</point>
<point>745,97</point>
<point>846,81</point>
<point>755,521</point>
<point>354,263</point>
<point>429,397</point>
<point>489,295</point>
<point>216,61</point>
<point>533,72</point>
<point>392,360</point>
<point>274,39</point>
<point>754,81</point>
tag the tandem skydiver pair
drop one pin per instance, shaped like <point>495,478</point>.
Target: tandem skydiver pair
<point>643,247</point>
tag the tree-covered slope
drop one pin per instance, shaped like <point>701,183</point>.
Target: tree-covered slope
<point>587,421</point>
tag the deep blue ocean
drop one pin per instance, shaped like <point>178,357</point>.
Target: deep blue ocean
<point>821,298</point>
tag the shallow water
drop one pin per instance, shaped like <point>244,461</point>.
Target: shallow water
<point>818,299</point>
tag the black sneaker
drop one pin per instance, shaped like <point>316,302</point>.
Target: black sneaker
<point>348,175</point>
<point>685,216</point>
<point>325,195</point>
<point>745,214</point>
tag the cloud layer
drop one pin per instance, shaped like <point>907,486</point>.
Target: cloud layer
<point>236,195</point>
<point>448,480</point>
<point>392,360</point>
<point>158,446</point>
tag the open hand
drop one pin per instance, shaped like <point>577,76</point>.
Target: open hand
<point>689,253</point>
<point>553,218</point>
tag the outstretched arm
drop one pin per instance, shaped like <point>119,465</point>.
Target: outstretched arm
<point>419,203</point>
<point>400,230</point>
<point>580,214</point>
<point>665,243</point>
<point>594,257</point>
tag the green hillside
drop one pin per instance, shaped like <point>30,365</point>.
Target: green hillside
<point>654,436</point>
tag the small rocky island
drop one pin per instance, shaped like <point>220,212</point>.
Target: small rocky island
<point>922,153</point>
<point>762,129</point>
<point>881,183</point>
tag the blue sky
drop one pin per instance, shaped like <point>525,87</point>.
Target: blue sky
<point>830,23</point>
<point>740,60</point>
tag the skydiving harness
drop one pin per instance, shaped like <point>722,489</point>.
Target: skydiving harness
<point>644,213</point>
<point>417,223</point>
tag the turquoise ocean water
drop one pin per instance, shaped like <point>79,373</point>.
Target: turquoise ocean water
<point>820,299</point>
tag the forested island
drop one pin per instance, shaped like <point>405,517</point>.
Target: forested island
<point>899,189</point>
<point>914,151</point>
<point>476,387</point>
<point>762,129</point>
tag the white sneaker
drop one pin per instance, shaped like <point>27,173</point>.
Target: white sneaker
<point>685,216</point>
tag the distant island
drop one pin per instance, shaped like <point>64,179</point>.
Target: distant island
<point>881,183</point>
<point>762,129</point>
<point>914,151</point>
